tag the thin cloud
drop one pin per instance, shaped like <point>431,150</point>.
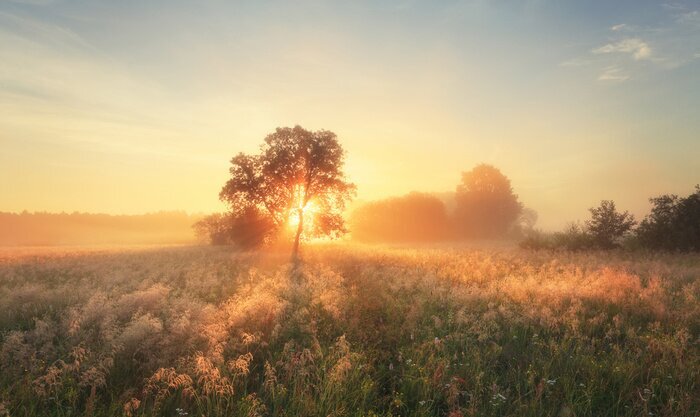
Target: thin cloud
<point>634,46</point>
<point>673,6</point>
<point>613,74</point>
<point>692,17</point>
<point>621,26</point>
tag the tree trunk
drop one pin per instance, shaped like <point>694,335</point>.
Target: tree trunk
<point>300,228</point>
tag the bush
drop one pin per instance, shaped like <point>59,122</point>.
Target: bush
<point>574,238</point>
<point>536,239</point>
<point>246,230</point>
<point>415,217</point>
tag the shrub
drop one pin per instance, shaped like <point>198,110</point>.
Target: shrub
<point>536,239</point>
<point>415,217</point>
<point>247,230</point>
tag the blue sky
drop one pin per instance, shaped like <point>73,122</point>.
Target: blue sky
<point>133,106</point>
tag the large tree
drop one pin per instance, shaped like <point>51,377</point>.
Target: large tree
<point>296,180</point>
<point>486,205</point>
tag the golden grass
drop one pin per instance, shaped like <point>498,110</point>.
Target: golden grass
<point>354,331</point>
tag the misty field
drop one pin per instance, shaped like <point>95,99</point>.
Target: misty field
<point>354,331</point>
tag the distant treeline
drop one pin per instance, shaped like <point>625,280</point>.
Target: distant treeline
<point>483,206</point>
<point>672,225</point>
<point>90,229</point>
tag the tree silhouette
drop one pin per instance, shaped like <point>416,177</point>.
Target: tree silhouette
<point>486,205</point>
<point>607,226</point>
<point>297,174</point>
<point>673,224</point>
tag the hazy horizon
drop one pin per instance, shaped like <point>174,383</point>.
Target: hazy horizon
<point>131,108</point>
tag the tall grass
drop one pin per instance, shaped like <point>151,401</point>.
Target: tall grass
<point>356,332</point>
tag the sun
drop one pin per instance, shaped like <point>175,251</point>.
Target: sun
<point>308,211</point>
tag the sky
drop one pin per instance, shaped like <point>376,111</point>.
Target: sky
<point>137,106</point>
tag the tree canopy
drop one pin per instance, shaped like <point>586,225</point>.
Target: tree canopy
<point>296,180</point>
<point>486,204</point>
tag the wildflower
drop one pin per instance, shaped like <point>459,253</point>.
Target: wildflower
<point>248,338</point>
<point>131,406</point>
<point>270,381</point>
<point>341,369</point>
<point>241,366</point>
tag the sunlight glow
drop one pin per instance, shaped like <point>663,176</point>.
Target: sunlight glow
<point>308,210</point>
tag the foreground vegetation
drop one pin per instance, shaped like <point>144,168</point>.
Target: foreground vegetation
<point>353,331</point>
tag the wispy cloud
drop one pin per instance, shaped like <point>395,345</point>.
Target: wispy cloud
<point>634,46</point>
<point>672,5</point>
<point>613,73</point>
<point>691,17</point>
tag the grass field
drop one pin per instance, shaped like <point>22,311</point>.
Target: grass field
<point>200,331</point>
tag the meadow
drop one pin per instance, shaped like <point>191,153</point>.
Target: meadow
<point>353,331</point>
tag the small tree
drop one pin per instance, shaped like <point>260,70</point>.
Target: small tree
<point>298,174</point>
<point>212,228</point>
<point>486,204</point>
<point>248,229</point>
<point>607,226</point>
